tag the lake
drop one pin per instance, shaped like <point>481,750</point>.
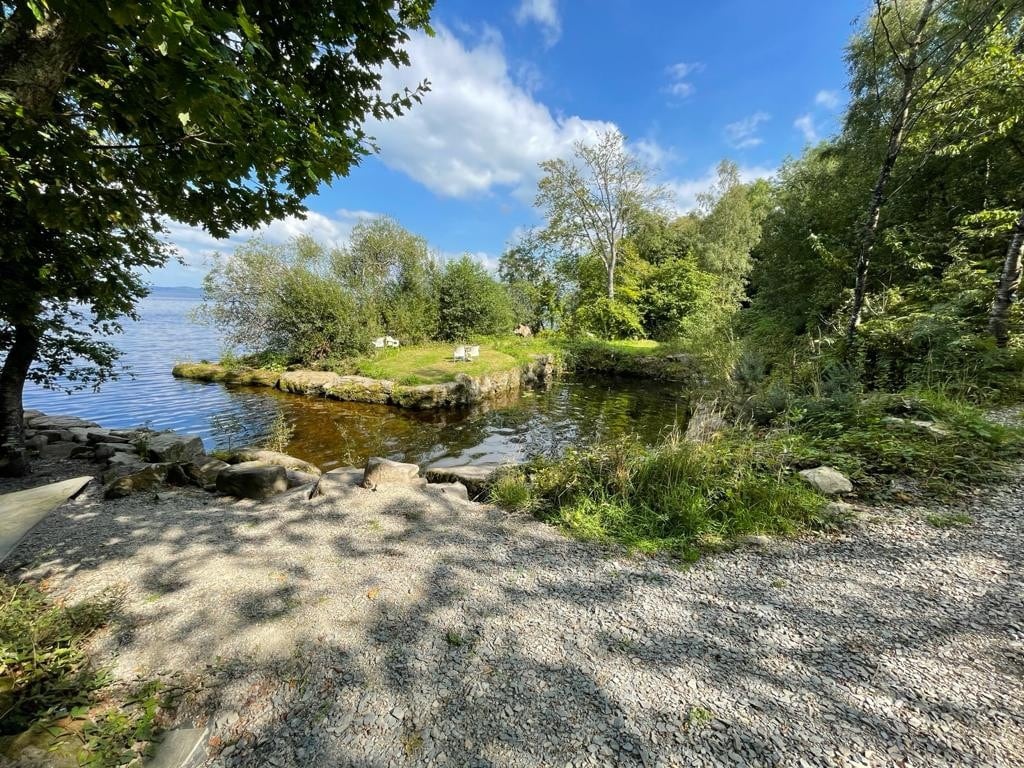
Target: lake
<point>329,433</point>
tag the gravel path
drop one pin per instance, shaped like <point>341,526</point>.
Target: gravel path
<point>400,627</point>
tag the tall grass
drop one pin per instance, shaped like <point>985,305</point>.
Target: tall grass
<point>678,497</point>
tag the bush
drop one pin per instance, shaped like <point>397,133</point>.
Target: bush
<point>608,319</point>
<point>471,302</point>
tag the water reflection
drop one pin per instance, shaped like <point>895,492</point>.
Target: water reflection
<point>331,433</point>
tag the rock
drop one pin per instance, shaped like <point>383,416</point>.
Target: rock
<point>360,389</point>
<point>754,540</point>
<point>523,331</point>
<point>80,434</point>
<point>827,481</point>
<point>297,478</point>
<point>82,452</point>
<point>94,436</point>
<point>252,480</point>
<point>452,490</point>
<point>932,427</point>
<point>103,451</point>
<point>387,472</point>
<point>203,471</point>
<point>273,457</point>
<point>42,422</point>
<point>145,478</point>
<point>307,382</point>
<point>476,477</point>
<point>170,446</point>
<point>37,443</point>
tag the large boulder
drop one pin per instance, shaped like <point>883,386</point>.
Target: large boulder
<point>104,451</point>
<point>252,480</point>
<point>827,481</point>
<point>380,472</point>
<point>204,471</point>
<point>360,389</point>
<point>297,478</point>
<point>273,457</point>
<point>94,436</point>
<point>170,446</point>
<point>145,477</point>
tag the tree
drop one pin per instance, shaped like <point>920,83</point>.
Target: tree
<point>393,275</point>
<point>591,201</point>
<point>115,117</point>
<point>901,67</point>
<point>729,226</point>
<point>527,271</point>
<point>472,303</point>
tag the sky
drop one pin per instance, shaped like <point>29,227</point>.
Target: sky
<point>515,82</point>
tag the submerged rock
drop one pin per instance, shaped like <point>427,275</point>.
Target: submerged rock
<point>273,457</point>
<point>477,478</point>
<point>827,481</point>
<point>252,480</point>
<point>381,471</point>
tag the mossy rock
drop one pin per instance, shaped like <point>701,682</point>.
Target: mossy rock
<point>360,389</point>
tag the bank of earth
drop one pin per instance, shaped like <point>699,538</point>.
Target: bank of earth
<point>462,389</point>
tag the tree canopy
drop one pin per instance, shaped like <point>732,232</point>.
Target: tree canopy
<point>116,118</point>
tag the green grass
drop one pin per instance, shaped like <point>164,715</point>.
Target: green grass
<point>511,491</point>
<point>678,498</point>
<point>949,520</point>
<point>53,698</point>
<point>433,363</point>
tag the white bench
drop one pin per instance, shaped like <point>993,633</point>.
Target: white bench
<point>472,352</point>
<point>460,354</point>
<point>390,341</point>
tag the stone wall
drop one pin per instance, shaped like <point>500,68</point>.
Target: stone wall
<point>465,390</point>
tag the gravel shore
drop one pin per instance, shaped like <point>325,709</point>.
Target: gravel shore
<point>402,627</point>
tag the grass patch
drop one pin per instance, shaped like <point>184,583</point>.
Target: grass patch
<point>431,364</point>
<point>512,492</point>
<point>949,520</point>
<point>52,697</point>
<point>873,439</point>
<point>678,498</point>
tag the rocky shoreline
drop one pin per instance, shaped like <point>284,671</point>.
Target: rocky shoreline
<point>463,391</point>
<point>140,459</point>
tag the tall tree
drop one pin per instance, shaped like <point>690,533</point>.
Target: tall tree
<point>905,59</point>
<point>115,117</point>
<point>591,200</point>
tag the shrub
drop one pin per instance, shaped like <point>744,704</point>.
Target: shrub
<point>472,303</point>
<point>608,319</point>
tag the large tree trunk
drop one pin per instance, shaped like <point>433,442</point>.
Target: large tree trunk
<point>878,194</point>
<point>13,456</point>
<point>1006,290</point>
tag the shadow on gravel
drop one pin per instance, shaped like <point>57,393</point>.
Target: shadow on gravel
<point>380,629</point>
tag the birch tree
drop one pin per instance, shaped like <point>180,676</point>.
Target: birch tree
<point>591,200</point>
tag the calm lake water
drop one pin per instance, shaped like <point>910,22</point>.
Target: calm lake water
<point>574,411</point>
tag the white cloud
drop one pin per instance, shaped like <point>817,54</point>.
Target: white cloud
<point>743,133</point>
<point>805,124</point>
<point>476,129</point>
<point>827,99</point>
<point>544,13</point>
<point>679,84</point>
<point>651,152</point>
<point>685,191</point>
<point>196,246</point>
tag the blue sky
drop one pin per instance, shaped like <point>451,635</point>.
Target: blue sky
<point>515,82</point>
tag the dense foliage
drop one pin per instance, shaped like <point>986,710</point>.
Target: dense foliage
<point>115,117</point>
<point>304,303</point>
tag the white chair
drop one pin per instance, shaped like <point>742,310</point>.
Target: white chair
<point>391,341</point>
<point>379,342</point>
<point>460,354</point>
<point>473,352</point>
